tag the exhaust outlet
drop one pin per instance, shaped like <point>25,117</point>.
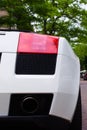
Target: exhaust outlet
<point>30,105</point>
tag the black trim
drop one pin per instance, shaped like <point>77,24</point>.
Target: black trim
<point>0,56</point>
<point>30,104</point>
<point>35,64</point>
<point>14,30</point>
<point>35,122</point>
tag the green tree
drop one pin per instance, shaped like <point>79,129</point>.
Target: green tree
<point>83,38</point>
<point>61,18</point>
<point>56,17</point>
<point>81,52</point>
<point>18,15</point>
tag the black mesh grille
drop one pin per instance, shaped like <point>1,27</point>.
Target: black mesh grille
<point>35,63</point>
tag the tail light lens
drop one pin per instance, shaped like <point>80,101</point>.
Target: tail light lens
<point>37,43</point>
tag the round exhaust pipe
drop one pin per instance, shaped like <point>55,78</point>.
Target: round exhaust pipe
<point>30,105</point>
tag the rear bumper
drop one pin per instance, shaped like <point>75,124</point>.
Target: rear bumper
<point>34,122</point>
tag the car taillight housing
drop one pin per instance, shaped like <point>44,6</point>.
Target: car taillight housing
<point>36,54</point>
<point>37,43</point>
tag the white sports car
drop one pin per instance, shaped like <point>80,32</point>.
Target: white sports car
<point>39,82</point>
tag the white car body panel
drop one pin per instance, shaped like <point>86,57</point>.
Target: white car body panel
<point>9,42</point>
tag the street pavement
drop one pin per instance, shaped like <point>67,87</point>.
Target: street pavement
<point>83,85</point>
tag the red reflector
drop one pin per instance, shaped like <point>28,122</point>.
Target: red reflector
<point>37,43</point>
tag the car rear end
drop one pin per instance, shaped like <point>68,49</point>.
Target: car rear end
<point>39,81</point>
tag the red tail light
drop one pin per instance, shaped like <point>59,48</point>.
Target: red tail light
<point>37,43</point>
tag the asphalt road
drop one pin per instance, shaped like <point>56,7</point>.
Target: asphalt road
<point>83,85</point>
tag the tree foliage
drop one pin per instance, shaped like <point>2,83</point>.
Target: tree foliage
<point>57,17</point>
<point>81,52</point>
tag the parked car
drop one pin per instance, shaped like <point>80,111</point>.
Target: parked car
<point>82,72</point>
<point>85,76</point>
